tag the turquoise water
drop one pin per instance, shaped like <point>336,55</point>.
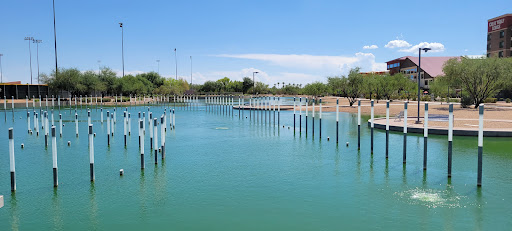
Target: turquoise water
<point>226,173</point>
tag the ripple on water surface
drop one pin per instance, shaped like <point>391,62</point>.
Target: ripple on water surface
<point>432,198</point>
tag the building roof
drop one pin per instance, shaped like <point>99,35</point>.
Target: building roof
<point>432,65</point>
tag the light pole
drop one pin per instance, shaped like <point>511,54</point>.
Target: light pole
<point>176,61</point>
<point>55,39</point>
<point>158,62</point>
<point>253,82</point>
<point>30,55</point>
<point>419,78</point>
<point>1,75</point>
<point>37,41</point>
<point>190,70</point>
<point>122,43</point>
<point>99,67</point>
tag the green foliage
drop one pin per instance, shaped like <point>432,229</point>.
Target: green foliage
<point>315,89</point>
<point>480,78</point>
<point>490,100</point>
<point>507,100</point>
<point>466,101</point>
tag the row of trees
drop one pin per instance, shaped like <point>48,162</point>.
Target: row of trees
<point>106,82</point>
<point>478,79</point>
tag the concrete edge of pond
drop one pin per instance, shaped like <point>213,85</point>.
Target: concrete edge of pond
<point>380,123</point>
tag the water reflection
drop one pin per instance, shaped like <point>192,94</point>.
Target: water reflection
<point>57,218</point>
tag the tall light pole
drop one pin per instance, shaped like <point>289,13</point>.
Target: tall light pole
<point>99,67</point>
<point>55,39</point>
<point>37,41</point>
<point>176,60</point>
<point>253,82</point>
<point>1,75</point>
<point>191,70</point>
<point>158,62</point>
<point>419,78</point>
<point>30,55</point>
<point>122,43</point>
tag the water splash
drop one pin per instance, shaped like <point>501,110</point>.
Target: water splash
<point>431,198</point>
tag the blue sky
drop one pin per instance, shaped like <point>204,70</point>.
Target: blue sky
<point>286,41</point>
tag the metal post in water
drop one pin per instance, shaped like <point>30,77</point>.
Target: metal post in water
<point>404,158</point>
<point>320,118</point>
<point>141,134</point>
<point>358,124</point>
<point>173,119</point>
<point>60,125</point>
<point>151,131</point>
<point>112,122</point>
<point>425,136</point>
<point>278,111</point>
<point>300,114</point>
<point>155,139</point>
<point>46,133</point>
<point>101,115</point>
<point>480,143</point>
<point>129,122</point>
<point>12,164</point>
<point>450,139</point>
<point>387,129</point>
<point>125,121</point>
<point>108,128</point>
<point>91,152</point>
<point>88,117</point>
<point>313,118</point>
<point>54,158</point>
<point>76,124</point>
<point>162,134</point>
<point>28,122</point>
<point>337,119</point>
<point>372,124</point>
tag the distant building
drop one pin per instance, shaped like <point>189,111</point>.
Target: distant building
<point>499,36</point>
<point>431,67</point>
<point>21,91</point>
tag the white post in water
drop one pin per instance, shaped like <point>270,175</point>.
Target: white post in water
<point>60,125</point>
<point>450,139</point>
<point>54,158</point>
<point>293,115</point>
<point>125,121</point>
<point>28,122</point>
<point>36,124</point>
<point>151,131</point>
<point>372,124</point>
<point>404,158</point>
<point>425,136</point>
<point>162,134</point>
<point>91,152</point>
<point>108,128</point>
<point>307,117</point>
<point>387,129</point>
<point>112,123</point>
<point>313,118</point>
<point>141,136</point>
<point>155,139</point>
<point>278,110</point>
<point>358,124</point>
<point>337,118</point>
<point>88,116</point>
<point>129,124</point>
<point>173,119</point>
<point>300,114</point>
<point>320,118</point>
<point>101,115</point>
<point>46,129</point>
<point>480,143</point>
<point>76,124</point>
<point>11,160</point>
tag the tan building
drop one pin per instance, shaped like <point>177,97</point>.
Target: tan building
<point>499,36</point>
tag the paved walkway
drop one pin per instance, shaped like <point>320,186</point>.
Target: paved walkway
<point>470,130</point>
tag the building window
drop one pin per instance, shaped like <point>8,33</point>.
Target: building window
<point>488,55</point>
<point>488,37</point>
<point>502,34</point>
<point>500,54</point>
<point>502,44</point>
<point>488,46</point>
<point>426,82</point>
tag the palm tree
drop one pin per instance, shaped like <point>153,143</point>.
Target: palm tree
<point>277,84</point>
<point>283,84</point>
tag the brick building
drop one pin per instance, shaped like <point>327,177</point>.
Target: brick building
<point>499,36</point>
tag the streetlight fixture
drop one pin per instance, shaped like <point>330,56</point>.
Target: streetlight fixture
<point>30,55</point>
<point>37,41</point>
<point>158,62</point>
<point>122,43</point>
<point>253,82</point>
<point>419,78</point>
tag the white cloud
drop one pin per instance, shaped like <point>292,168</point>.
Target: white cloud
<point>398,43</point>
<point>370,47</point>
<point>436,47</point>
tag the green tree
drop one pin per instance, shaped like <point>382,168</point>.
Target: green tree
<point>315,89</point>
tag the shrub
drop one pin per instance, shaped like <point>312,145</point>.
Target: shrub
<point>507,100</point>
<point>106,100</point>
<point>466,101</point>
<point>454,100</point>
<point>426,98</point>
<point>491,100</point>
